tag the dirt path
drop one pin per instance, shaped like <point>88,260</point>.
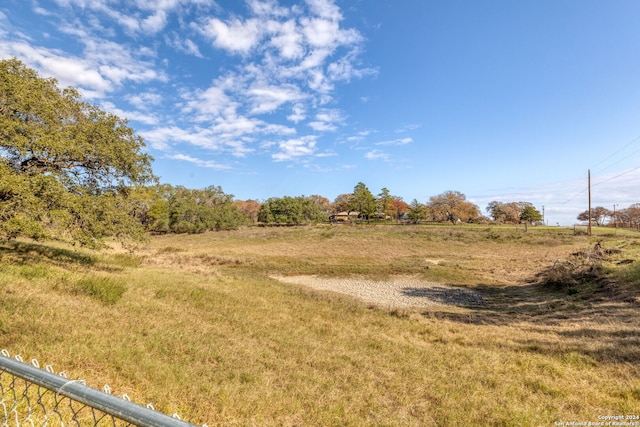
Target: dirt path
<point>396,292</point>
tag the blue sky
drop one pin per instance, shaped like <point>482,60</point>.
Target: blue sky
<point>500,100</point>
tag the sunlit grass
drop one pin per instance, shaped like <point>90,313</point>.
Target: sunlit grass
<point>200,328</point>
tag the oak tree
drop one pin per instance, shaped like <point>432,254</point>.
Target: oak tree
<point>598,215</point>
<point>452,206</point>
<point>341,203</point>
<point>65,165</point>
<point>291,210</point>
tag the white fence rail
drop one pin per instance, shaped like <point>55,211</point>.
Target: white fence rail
<point>30,396</point>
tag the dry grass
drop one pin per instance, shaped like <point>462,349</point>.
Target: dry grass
<point>202,330</point>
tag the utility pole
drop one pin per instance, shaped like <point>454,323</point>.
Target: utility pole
<point>615,219</point>
<point>589,186</point>
<point>543,222</point>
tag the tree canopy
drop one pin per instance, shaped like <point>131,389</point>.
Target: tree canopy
<point>530,214</point>
<point>417,212</point>
<point>598,215</point>
<point>513,212</point>
<point>452,206</point>
<point>362,201</point>
<point>292,210</point>
<point>65,166</point>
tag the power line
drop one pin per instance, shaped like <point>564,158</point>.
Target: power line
<point>634,140</point>
<point>616,152</point>
<point>617,176</point>
<point>575,196</point>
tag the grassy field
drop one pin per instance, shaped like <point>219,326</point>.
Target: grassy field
<point>196,325</point>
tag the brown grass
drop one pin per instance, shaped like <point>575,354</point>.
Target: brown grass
<point>202,330</point>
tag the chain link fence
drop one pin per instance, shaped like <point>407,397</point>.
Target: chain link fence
<point>31,396</point>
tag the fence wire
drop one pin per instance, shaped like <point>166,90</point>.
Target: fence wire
<point>30,396</point>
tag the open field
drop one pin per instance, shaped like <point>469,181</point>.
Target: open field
<point>218,328</point>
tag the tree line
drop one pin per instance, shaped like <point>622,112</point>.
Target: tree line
<point>71,171</point>
<point>628,217</point>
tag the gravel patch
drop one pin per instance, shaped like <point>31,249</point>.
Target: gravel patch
<point>398,292</point>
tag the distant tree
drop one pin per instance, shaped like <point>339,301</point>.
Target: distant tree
<point>183,210</point>
<point>341,203</point>
<point>399,206</point>
<point>529,215</point>
<point>315,208</point>
<point>66,167</point>
<point>143,203</point>
<point>416,212</point>
<point>583,216</point>
<point>630,216</point>
<point>159,216</point>
<point>291,210</point>
<point>598,215</point>
<point>452,206</point>
<point>509,213</point>
<point>506,213</point>
<point>248,208</point>
<point>323,203</point>
<point>186,214</point>
<point>385,205</point>
<point>362,201</point>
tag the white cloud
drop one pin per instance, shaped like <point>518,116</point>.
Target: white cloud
<point>320,33</point>
<point>322,126</point>
<point>199,162</point>
<point>235,126</point>
<point>148,119</point>
<point>315,59</point>
<point>210,104</point>
<point>183,45</point>
<point>161,138</point>
<point>408,128</point>
<point>267,8</point>
<point>290,59</point>
<point>37,9</point>
<point>325,8</point>
<point>268,98</point>
<point>327,120</point>
<point>345,69</point>
<point>376,154</point>
<point>401,141</point>
<point>100,69</point>
<point>214,139</point>
<point>319,83</point>
<point>277,129</point>
<point>154,23</point>
<point>360,136</point>
<point>298,113</point>
<point>144,100</point>
<point>294,149</point>
<point>235,36</point>
<point>288,39</point>
<point>68,71</point>
<point>327,154</point>
<point>131,17</point>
